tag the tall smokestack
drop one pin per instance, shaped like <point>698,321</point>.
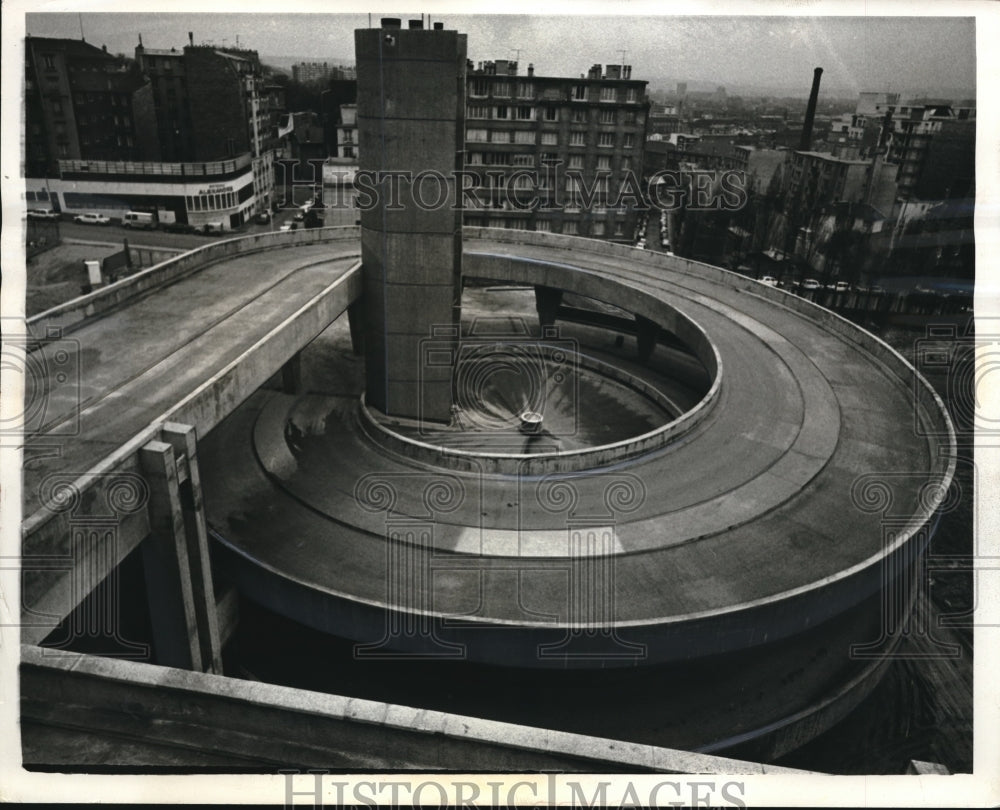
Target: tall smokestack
<point>807,125</point>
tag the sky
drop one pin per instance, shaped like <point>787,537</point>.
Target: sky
<point>933,55</point>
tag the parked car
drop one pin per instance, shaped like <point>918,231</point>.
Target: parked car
<point>178,227</point>
<point>263,218</point>
<point>810,284</point>
<point>286,227</point>
<point>92,219</point>
<point>840,286</point>
<point>770,281</point>
<point>37,213</point>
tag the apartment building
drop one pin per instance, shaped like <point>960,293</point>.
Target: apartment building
<point>554,153</point>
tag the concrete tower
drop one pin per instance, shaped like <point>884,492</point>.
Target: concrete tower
<point>411,131</point>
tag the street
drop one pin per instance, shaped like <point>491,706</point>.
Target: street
<point>160,237</point>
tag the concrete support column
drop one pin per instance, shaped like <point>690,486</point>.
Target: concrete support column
<point>165,560</point>
<point>646,332</point>
<point>547,301</point>
<point>356,322</point>
<point>291,375</point>
<point>184,442</point>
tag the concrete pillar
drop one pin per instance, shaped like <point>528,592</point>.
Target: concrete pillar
<point>356,323</point>
<point>183,440</point>
<point>291,375</point>
<point>547,301</point>
<point>646,332</point>
<point>165,560</point>
<point>411,135</point>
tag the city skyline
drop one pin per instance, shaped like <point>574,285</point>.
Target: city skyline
<point>772,55</point>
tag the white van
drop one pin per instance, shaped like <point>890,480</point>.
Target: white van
<point>138,219</point>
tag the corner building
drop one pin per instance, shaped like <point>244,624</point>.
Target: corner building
<point>568,143</point>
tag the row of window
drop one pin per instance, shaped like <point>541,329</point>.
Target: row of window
<point>527,136</point>
<point>502,89</point>
<point>528,160</point>
<point>211,202</point>
<point>504,112</point>
<point>568,227</point>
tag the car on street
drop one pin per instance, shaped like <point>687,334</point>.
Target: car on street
<point>37,213</point>
<point>810,284</point>
<point>840,286</point>
<point>178,227</point>
<point>770,281</point>
<point>263,218</point>
<point>92,219</point>
<point>286,227</point>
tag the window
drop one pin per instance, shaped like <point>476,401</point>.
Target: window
<point>551,114</point>
<point>604,163</point>
<point>524,136</point>
<point>569,227</point>
<point>63,150</point>
<point>597,229</point>
<point>577,138</point>
<point>522,182</point>
<point>608,116</point>
<point>501,89</point>
<point>579,116</point>
<point>630,116</point>
<point>501,111</point>
<point>475,135</point>
<point>50,61</point>
<point>523,160</point>
<point>57,107</point>
<point>525,114</point>
<point>525,90</point>
<point>631,94</point>
<point>480,87</point>
<point>475,158</point>
<point>576,161</point>
<point>543,225</point>
<point>629,140</point>
<point>549,138</point>
<point>606,139</point>
<point>608,94</point>
<point>580,92</point>
<point>479,111</point>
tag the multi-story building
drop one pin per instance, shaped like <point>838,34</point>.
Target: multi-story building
<point>347,131</point>
<point>78,105</point>
<point>198,128</point>
<point>554,153</point>
<point>306,72</point>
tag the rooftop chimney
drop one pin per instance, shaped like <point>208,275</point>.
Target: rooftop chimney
<point>392,22</point>
<point>191,38</point>
<point>807,125</point>
<point>438,26</point>
<point>531,70</point>
<point>416,25</point>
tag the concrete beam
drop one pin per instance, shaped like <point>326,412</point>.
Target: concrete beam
<point>291,375</point>
<point>112,702</point>
<point>547,301</point>
<point>646,333</point>
<point>165,559</point>
<point>182,439</point>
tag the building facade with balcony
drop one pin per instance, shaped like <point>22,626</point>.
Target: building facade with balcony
<point>219,194</point>
<point>78,105</point>
<point>553,153</point>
